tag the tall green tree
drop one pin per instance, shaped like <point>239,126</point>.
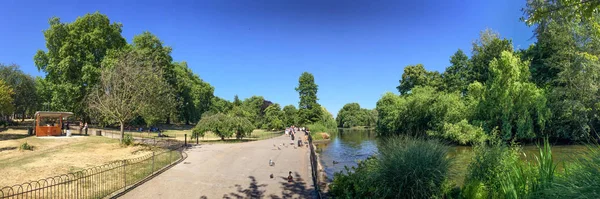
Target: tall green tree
<point>192,93</point>
<point>565,60</point>
<point>542,11</point>
<point>219,105</point>
<point>388,109</point>
<point>254,106</point>
<point>352,115</point>
<point>72,62</point>
<point>149,45</point>
<point>416,75</point>
<point>25,99</point>
<point>43,93</point>
<point>274,117</point>
<point>488,47</point>
<point>129,87</point>
<point>6,93</point>
<point>510,102</point>
<point>309,111</point>
<point>290,115</point>
<point>223,126</point>
<point>457,76</point>
<point>237,101</point>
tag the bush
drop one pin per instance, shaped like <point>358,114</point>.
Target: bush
<point>127,139</point>
<point>317,128</point>
<point>461,132</point>
<point>498,172</point>
<point>490,162</point>
<point>25,146</point>
<point>404,168</point>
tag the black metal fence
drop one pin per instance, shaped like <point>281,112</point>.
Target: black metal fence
<point>107,180</point>
<point>314,168</point>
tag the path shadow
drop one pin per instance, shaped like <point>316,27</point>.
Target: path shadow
<point>7,148</point>
<point>226,140</point>
<point>11,136</point>
<point>295,189</point>
<point>253,190</point>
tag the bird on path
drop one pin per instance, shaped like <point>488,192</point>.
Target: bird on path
<point>278,148</point>
<point>290,178</point>
<point>271,163</point>
<point>271,176</point>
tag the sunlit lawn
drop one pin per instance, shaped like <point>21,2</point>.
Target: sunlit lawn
<point>56,155</point>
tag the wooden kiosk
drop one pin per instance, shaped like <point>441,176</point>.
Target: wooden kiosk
<point>49,123</point>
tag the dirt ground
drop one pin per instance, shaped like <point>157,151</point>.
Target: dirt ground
<point>56,155</point>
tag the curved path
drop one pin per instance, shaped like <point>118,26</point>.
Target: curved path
<point>234,171</point>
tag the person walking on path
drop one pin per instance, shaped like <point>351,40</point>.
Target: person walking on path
<point>68,129</point>
<point>292,135</point>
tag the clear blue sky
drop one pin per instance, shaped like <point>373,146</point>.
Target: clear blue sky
<point>356,49</point>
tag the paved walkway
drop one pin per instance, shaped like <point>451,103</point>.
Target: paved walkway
<point>234,171</point>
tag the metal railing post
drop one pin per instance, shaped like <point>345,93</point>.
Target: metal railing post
<point>124,174</point>
<point>152,162</point>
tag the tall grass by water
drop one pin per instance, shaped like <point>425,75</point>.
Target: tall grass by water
<point>414,168</point>
<point>405,167</point>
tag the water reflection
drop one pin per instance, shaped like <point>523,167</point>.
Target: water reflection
<point>350,145</point>
<point>346,147</point>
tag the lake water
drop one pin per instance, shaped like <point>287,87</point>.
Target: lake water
<point>348,146</point>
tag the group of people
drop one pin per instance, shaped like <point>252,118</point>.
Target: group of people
<point>291,131</point>
<point>66,127</point>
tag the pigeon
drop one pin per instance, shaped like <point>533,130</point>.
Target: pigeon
<point>271,163</point>
<point>271,176</point>
<point>278,148</point>
<point>335,162</point>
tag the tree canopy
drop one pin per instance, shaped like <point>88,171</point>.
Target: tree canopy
<point>129,87</point>
<point>6,93</point>
<point>309,111</point>
<point>274,117</point>
<point>25,98</point>
<point>550,89</point>
<point>352,115</point>
<point>224,126</point>
<point>72,62</point>
<point>290,115</point>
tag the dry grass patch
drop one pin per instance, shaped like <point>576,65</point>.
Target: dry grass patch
<point>57,155</point>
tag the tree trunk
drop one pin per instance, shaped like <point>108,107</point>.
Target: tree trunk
<point>168,120</point>
<point>122,131</point>
<point>23,117</point>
